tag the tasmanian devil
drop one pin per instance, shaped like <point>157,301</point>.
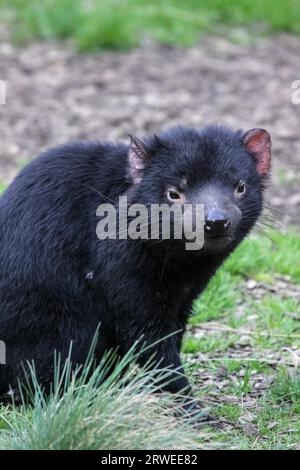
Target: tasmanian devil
<point>58,280</point>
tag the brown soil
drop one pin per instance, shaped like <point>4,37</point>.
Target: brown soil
<point>55,95</point>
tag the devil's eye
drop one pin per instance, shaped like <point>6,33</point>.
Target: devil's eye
<point>240,189</point>
<point>173,195</point>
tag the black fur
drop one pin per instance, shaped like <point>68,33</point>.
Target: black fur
<point>48,245</point>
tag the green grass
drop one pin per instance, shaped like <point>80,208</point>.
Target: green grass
<point>122,412</point>
<point>251,339</point>
<point>275,419</point>
<point>121,24</point>
<point>3,186</point>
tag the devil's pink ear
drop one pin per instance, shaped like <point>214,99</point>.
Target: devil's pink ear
<point>258,143</point>
<point>137,159</point>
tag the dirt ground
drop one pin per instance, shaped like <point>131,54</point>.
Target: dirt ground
<point>55,95</point>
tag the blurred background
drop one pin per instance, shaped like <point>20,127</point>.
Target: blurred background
<point>101,69</point>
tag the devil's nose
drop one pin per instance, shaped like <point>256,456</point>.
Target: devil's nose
<point>217,222</point>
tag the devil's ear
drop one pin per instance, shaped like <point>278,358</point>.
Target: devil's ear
<point>258,143</point>
<point>137,159</point>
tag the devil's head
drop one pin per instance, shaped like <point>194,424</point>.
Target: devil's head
<point>223,170</point>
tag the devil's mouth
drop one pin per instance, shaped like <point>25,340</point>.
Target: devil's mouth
<point>218,237</point>
<point>217,242</point>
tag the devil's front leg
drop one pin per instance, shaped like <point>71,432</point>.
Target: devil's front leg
<point>159,351</point>
<point>163,354</point>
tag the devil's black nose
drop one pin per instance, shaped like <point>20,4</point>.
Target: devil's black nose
<point>216,222</point>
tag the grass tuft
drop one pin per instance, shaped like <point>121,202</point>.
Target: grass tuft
<point>83,411</point>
